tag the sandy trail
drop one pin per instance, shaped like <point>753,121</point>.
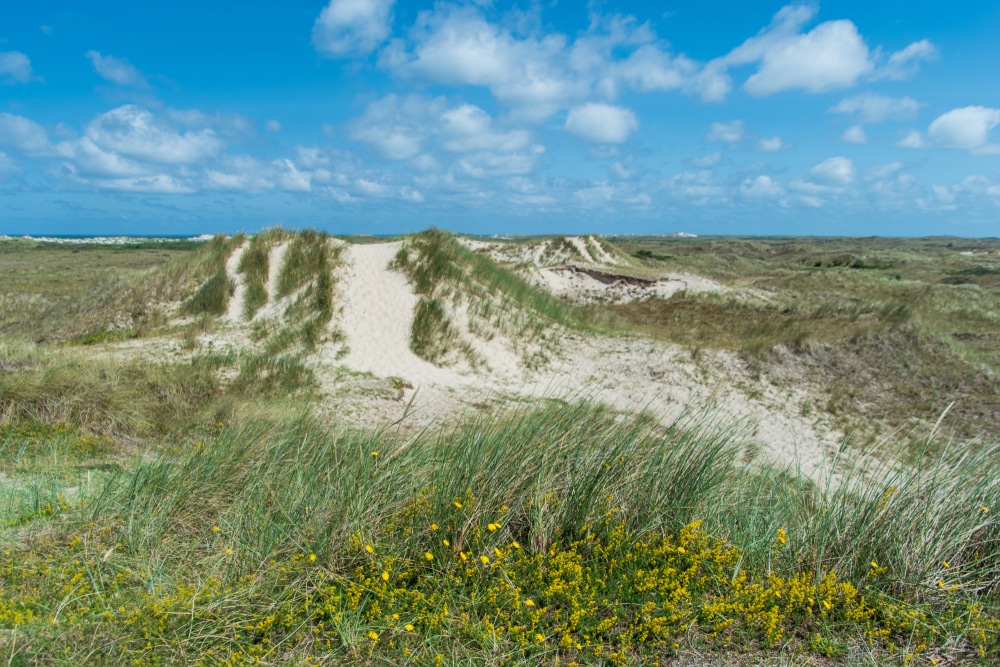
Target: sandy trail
<point>377,316</point>
<point>234,313</point>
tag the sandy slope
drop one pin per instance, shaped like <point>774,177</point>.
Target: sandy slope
<point>235,311</point>
<point>377,314</point>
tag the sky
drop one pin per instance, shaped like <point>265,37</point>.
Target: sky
<point>386,116</point>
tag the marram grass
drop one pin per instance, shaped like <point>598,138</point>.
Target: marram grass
<point>557,534</point>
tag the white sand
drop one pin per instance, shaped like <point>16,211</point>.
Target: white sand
<point>377,315</point>
<point>235,311</point>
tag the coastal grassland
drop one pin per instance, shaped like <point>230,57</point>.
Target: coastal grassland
<point>56,292</point>
<point>893,330</point>
<point>542,534</point>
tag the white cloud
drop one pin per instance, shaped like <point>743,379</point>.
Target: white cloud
<point>117,70</point>
<point>761,187</point>
<point>831,56</point>
<point>406,128</point>
<point>967,128</point>
<point>15,67</point>
<point>396,127</point>
<point>911,139</point>
<point>727,132</point>
<point>273,126</point>
<point>883,171</point>
<point>834,172</point>
<point>409,194</point>
<point>7,163</point>
<point>855,134</point>
<point>700,187</point>
<point>771,144</point>
<point>24,135</point>
<point>905,64</point>
<point>709,160</point>
<point>352,27</point>
<point>469,128</point>
<point>458,46</point>
<point>135,132</point>
<point>602,123</point>
<point>875,108</point>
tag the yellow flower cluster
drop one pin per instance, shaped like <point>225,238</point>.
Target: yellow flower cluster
<point>610,596</point>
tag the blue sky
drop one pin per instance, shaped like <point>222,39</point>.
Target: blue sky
<point>858,118</point>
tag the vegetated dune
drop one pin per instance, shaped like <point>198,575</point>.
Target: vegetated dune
<point>662,501</point>
<point>430,327</point>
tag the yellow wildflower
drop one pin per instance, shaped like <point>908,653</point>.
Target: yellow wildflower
<point>446,543</point>
<point>462,555</point>
<point>215,529</point>
<point>457,504</point>
<point>372,635</point>
<point>374,455</point>
<point>369,548</point>
<point>529,603</point>
<point>492,527</point>
<point>434,526</point>
<point>429,556</point>
<point>385,576</point>
<point>946,564</point>
<point>312,558</point>
<point>515,544</point>
<point>409,628</point>
<point>484,560</point>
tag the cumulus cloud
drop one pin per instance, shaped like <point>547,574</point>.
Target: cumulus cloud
<point>855,134</point>
<point>135,132</point>
<point>15,67</point>
<point>458,46</point>
<point>834,171</point>
<point>874,108</point>
<point>967,128</point>
<point>761,187</point>
<point>469,128</point>
<point>602,123</point>
<point>727,132</point>
<point>24,135</point>
<point>352,27</point>
<point>117,70</point>
<point>831,56</point>
<point>771,144</point>
<point>273,126</point>
<point>415,127</point>
<point>538,73</point>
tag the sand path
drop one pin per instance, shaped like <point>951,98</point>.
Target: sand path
<point>234,313</point>
<point>377,316</point>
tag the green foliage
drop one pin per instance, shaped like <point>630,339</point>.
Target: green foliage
<point>254,266</point>
<point>306,258</point>
<point>554,531</point>
<point>212,298</point>
<point>431,335</point>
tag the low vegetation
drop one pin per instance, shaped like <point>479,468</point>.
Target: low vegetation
<point>206,507</point>
<point>559,531</point>
<point>447,276</point>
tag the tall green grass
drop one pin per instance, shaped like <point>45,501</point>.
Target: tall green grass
<point>254,266</point>
<point>212,298</point>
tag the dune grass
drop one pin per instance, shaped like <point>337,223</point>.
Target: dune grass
<point>548,532</point>
<point>254,266</point>
<point>445,274</point>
